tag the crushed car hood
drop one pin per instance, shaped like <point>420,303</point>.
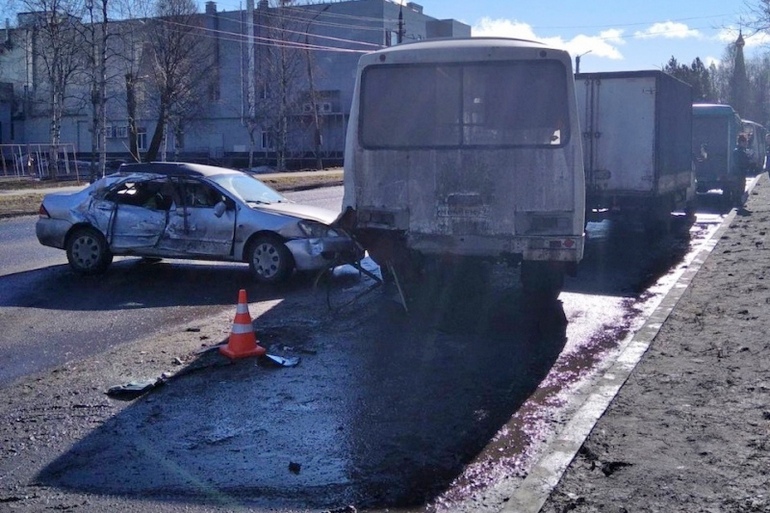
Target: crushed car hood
<point>322,215</point>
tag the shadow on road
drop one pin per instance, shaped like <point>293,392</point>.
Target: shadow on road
<point>385,409</point>
<point>622,260</point>
<point>131,283</point>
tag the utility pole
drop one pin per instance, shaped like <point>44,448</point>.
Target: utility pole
<point>401,23</point>
<point>251,72</point>
<point>317,140</point>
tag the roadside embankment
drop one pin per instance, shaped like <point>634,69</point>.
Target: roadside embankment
<point>22,196</point>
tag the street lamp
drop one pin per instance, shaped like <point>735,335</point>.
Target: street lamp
<point>577,61</point>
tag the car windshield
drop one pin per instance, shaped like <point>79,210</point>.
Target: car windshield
<point>248,189</point>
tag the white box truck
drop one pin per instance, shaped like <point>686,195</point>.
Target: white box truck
<point>637,136</point>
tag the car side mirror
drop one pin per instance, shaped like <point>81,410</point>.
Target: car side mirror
<point>219,209</point>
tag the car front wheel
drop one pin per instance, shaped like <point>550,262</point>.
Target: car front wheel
<point>270,260</point>
<point>87,251</point>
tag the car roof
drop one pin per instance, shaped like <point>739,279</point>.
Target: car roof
<point>175,169</point>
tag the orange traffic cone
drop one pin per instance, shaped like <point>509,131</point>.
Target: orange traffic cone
<point>243,341</point>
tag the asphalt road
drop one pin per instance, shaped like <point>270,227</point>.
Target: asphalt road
<point>50,315</point>
<point>386,410</point>
<point>57,316</point>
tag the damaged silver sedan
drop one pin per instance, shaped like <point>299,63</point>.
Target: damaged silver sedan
<point>192,211</point>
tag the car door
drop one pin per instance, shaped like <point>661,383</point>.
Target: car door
<point>198,225</point>
<point>139,214</point>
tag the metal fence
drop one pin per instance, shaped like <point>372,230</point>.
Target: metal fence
<point>31,161</point>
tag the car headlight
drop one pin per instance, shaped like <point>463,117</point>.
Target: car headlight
<point>315,230</point>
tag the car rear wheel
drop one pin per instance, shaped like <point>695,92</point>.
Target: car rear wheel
<point>87,251</point>
<point>270,260</point>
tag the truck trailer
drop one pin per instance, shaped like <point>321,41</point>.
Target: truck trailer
<point>636,132</point>
<point>715,132</point>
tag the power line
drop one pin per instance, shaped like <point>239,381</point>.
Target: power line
<point>286,43</point>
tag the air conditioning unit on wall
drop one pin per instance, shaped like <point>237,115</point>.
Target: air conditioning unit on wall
<point>321,107</point>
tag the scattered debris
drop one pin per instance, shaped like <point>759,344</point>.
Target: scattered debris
<point>134,389</point>
<point>610,467</point>
<point>206,349</point>
<point>344,509</point>
<point>282,361</point>
<point>298,350</point>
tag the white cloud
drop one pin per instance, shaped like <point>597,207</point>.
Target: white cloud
<point>730,34</point>
<point>668,30</point>
<point>487,27</point>
<point>602,45</point>
<point>727,35</point>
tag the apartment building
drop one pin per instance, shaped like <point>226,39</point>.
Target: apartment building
<point>280,76</point>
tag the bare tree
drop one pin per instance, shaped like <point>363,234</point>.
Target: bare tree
<point>131,66</point>
<point>181,58</point>
<point>317,142</point>
<point>279,76</point>
<point>54,28</point>
<point>97,37</point>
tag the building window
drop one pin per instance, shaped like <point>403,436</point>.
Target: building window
<point>267,141</point>
<point>141,138</point>
<point>121,132</point>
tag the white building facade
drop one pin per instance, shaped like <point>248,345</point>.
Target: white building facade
<point>234,122</point>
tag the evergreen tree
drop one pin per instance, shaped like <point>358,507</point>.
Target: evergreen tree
<point>697,75</point>
<point>702,91</point>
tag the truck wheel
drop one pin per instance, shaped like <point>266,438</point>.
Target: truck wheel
<point>542,279</point>
<point>690,209</point>
<point>657,219</point>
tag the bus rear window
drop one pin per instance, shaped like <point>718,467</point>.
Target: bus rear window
<point>511,103</point>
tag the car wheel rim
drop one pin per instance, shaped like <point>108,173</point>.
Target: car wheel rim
<point>267,260</point>
<point>86,251</point>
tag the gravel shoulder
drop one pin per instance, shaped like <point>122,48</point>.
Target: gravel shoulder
<point>690,428</point>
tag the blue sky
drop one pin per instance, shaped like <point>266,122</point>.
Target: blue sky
<point>619,35</point>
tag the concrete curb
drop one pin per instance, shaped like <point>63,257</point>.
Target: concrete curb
<point>596,396</point>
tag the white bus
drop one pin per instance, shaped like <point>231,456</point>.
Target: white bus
<point>467,149</point>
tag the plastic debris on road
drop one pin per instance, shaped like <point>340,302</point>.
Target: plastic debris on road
<point>133,389</point>
<point>282,361</point>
